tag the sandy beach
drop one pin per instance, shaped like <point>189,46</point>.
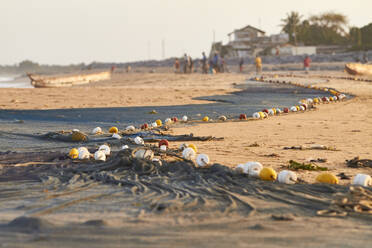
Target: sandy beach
<point>263,214</point>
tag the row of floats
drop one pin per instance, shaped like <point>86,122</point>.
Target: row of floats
<point>190,152</point>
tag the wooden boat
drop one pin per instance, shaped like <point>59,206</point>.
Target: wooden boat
<point>43,81</point>
<point>359,69</point>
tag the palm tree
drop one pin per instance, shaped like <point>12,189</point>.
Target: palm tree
<point>290,25</point>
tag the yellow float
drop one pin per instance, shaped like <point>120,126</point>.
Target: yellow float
<point>192,146</point>
<point>326,177</point>
<point>113,130</point>
<point>74,153</point>
<point>159,122</point>
<point>268,174</point>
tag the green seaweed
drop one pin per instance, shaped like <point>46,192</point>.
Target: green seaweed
<point>293,165</point>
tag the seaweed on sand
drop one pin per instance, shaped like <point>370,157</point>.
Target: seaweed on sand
<point>293,165</point>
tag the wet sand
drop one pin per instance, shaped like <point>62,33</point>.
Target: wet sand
<point>212,208</point>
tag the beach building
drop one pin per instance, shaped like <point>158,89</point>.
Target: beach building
<point>248,41</point>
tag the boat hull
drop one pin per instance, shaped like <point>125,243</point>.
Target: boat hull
<point>40,81</point>
<point>358,69</point>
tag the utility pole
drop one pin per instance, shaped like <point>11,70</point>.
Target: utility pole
<point>148,50</point>
<point>163,49</point>
<point>214,36</point>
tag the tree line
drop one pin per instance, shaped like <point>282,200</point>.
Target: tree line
<point>328,28</point>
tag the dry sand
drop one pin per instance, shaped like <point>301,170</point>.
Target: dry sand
<point>345,125</point>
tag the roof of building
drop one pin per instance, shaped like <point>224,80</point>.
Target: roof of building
<point>247,27</point>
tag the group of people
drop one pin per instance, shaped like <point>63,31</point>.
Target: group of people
<point>217,64</point>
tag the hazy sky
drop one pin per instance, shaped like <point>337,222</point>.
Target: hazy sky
<point>73,31</point>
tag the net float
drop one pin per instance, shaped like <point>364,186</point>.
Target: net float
<point>302,108</point>
<point>153,125</point>
<point>130,128</point>
<point>271,112</point>
<point>222,118</point>
<point>242,117</point>
<point>362,180</point>
<point>97,130</point>
<point>256,115</point>
<point>286,110</point>
<point>184,118</point>
<point>163,142</point>
<point>113,130</point>
<point>74,153</point>
<point>82,148</point>
<point>262,115</point>
<point>202,160</point>
<point>287,177</point>
<point>188,153</point>
<point>278,111</point>
<point>163,148</point>
<point>267,174</point>
<point>145,126</point>
<point>242,168</point>
<point>265,111</point>
<point>254,168</point>
<point>84,154</point>
<point>205,118</point>
<point>144,154</point>
<point>99,156</point>
<point>298,108</point>
<point>106,149</point>
<point>326,177</point>
<point>274,110</point>
<point>138,140</point>
<point>174,119</point>
<point>124,147</point>
<point>168,121</point>
<point>293,109</point>
<point>192,146</point>
<point>159,123</point>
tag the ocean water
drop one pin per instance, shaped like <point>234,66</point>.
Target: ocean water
<point>14,82</point>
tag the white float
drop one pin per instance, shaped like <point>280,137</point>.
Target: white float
<point>105,148</point>
<point>184,118</point>
<point>100,155</point>
<point>293,109</point>
<point>97,130</point>
<point>362,180</point>
<point>138,140</point>
<point>254,168</point>
<point>188,153</point>
<point>202,160</point>
<point>130,128</point>
<point>287,177</point>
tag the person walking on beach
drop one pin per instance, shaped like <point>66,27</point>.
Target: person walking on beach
<point>307,62</point>
<point>186,63</point>
<point>241,62</point>
<point>191,65</point>
<point>204,64</point>
<point>177,66</point>
<point>215,62</point>
<point>258,63</point>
